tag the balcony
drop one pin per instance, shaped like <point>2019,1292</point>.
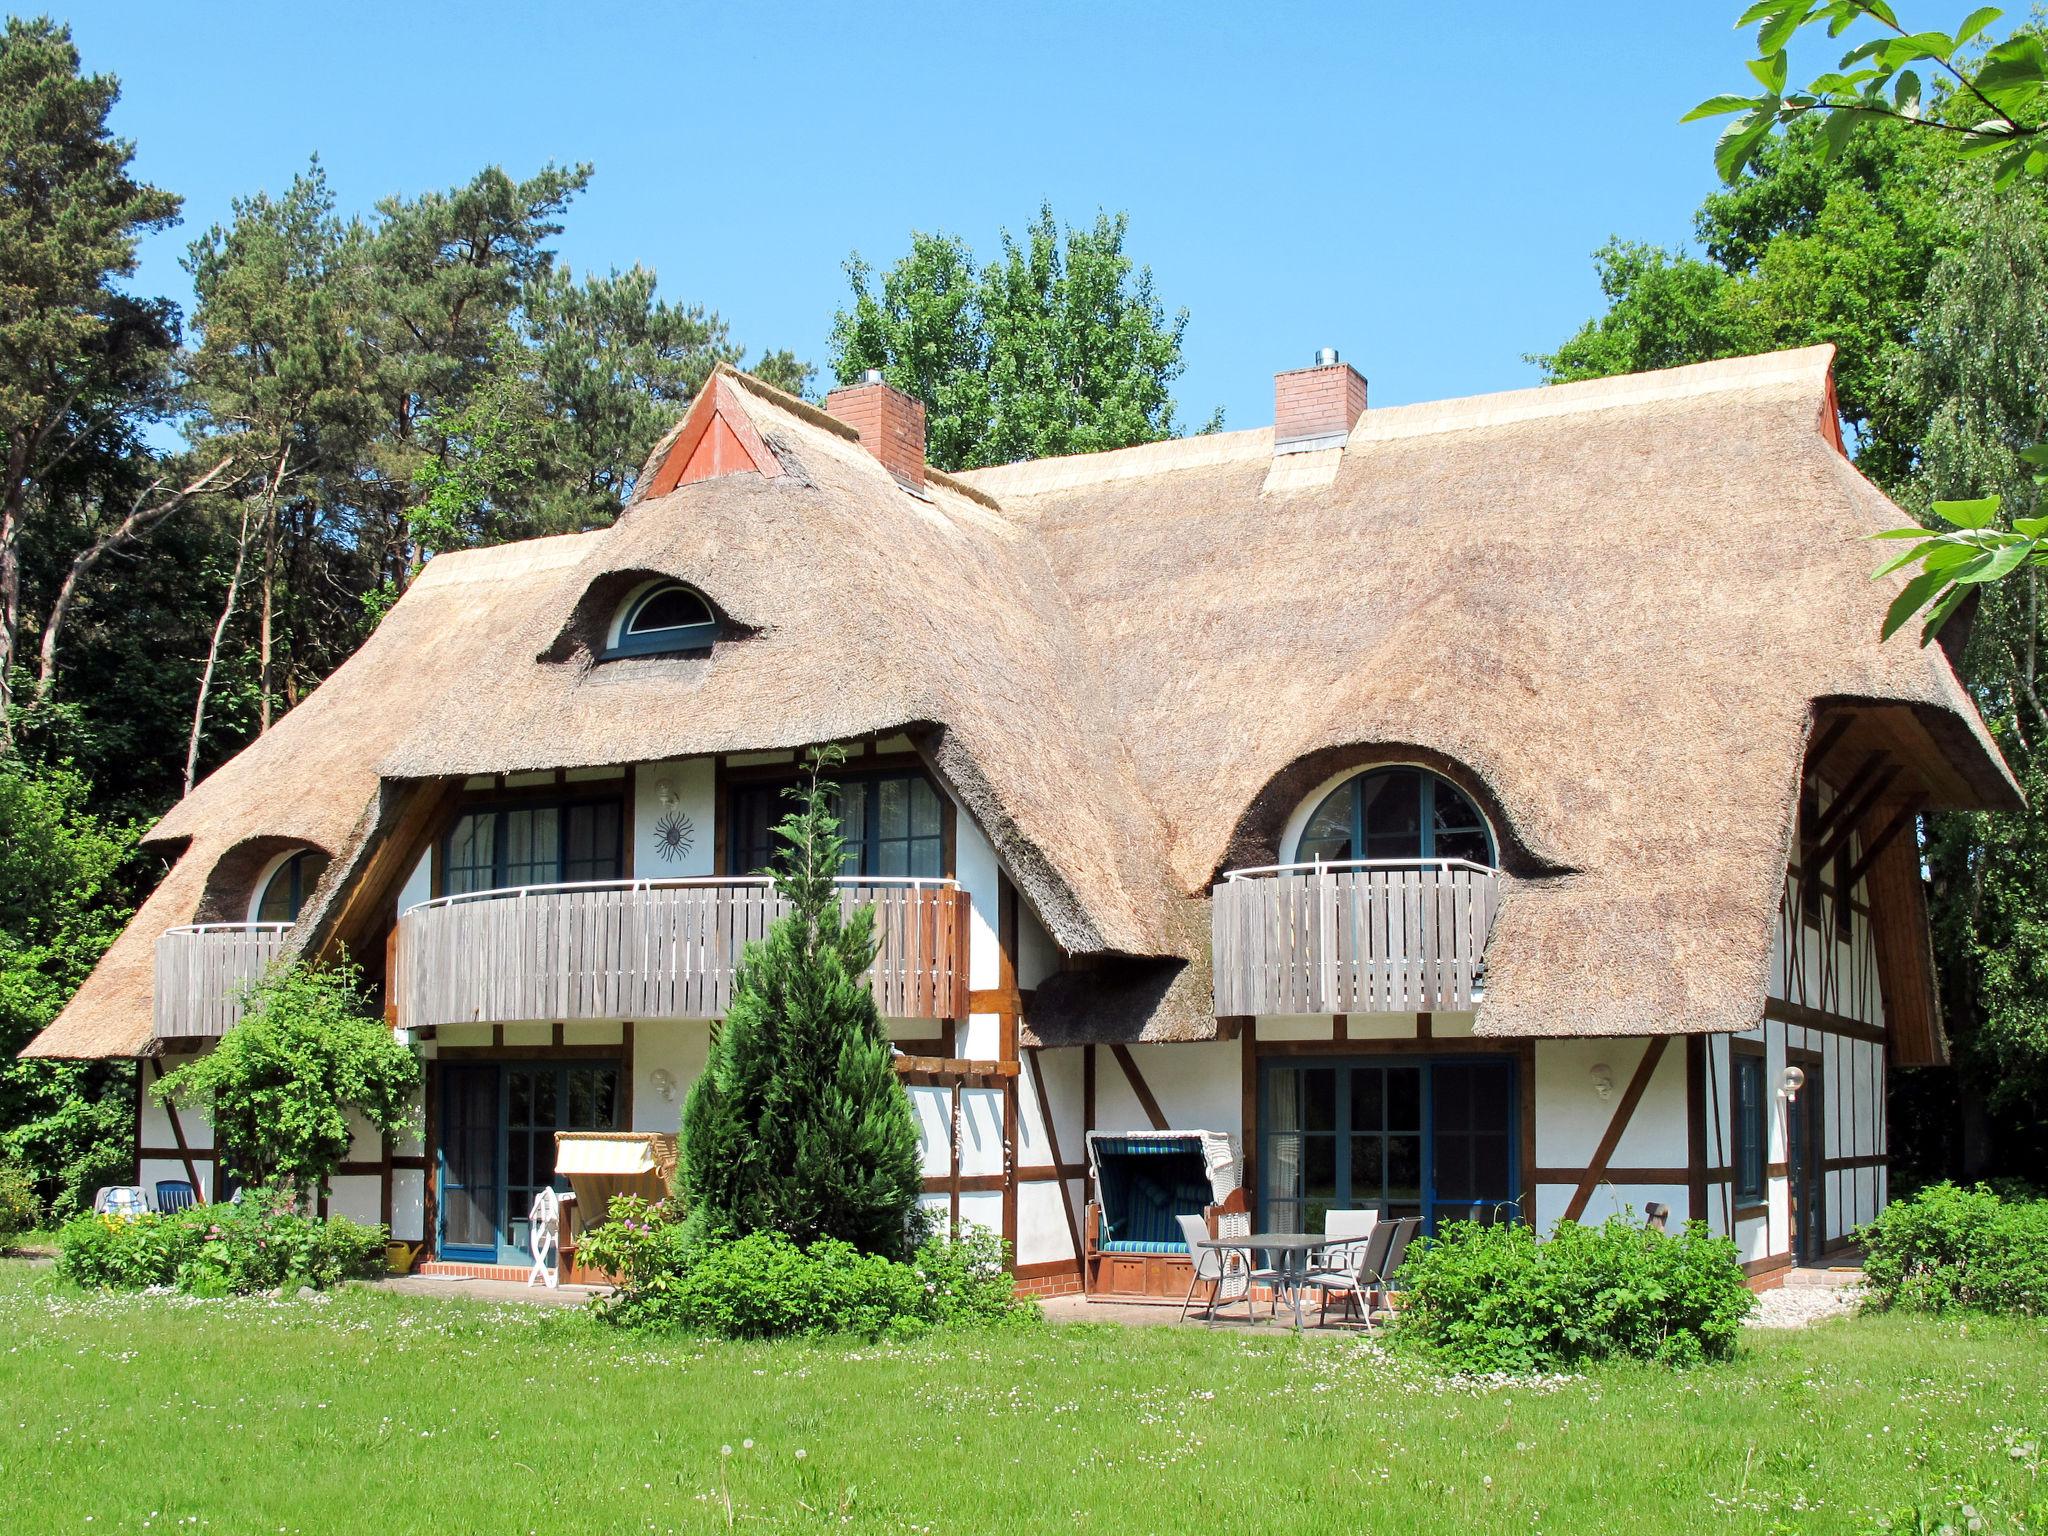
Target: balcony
<point>654,949</point>
<point>1366,937</point>
<point>204,971</point>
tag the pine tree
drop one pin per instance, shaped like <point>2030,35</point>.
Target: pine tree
<point>798,1123</point>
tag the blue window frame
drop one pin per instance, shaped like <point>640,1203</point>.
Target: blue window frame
<point>497,1146</point>
<point>1395,814</point>
<point>285,892</point>
<point>893,823</point>
<point>665,618</point>
<point>1431,1137</point>
<point>1751,1128</point>
<point>493,848</point>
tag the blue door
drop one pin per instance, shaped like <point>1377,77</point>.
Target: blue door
<point>498,1146</point>
<point>1433,1138</point>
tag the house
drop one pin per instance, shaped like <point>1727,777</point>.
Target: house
<point>1501,807</point>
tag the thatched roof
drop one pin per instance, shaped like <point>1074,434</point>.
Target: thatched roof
<point>1611,609</point>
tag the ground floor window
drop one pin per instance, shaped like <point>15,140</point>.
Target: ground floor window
<point>1432,1138</point>
<point>1750,1130</point>
<point>497,1146</point>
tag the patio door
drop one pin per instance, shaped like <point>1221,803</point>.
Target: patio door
<point>470,1195</point>
<point>498,1146</point>
<point>1429,1138</point>
<point>1804,1129</point>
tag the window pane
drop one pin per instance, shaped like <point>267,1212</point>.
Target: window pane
<point>1490,1167</point>
<point>669,608</point>
<point>605,1114</point>
<point>893,858</point>
<point>470,847</point>
<point>582,1099</point>
<point>1319,1098</point>
<point>1470,845</point>
<point>1490,1097</point>
<point>544,1100</point>
<point>1327,837</point>
<point>1453,1100</point>
<point>1281,1176</point>
<point>1404,1167</point>
<point>1454,1168</point>
<point>927,858</point>
<point>1404,1098</point>
<point>853,824</point>
<point>1392,814</point>
<point>1459,831</point>
<point>894,795</point>
<point>518,1158</point>
<point>924,809</point>
<point>1368,1169</point>
<point>1283,1099</point>
<point>532,847</point>
<point>1319,1167</point>
<point>1368,1099</point>
<point>593,843</point>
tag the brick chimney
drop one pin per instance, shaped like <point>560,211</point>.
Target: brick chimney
<point>890,424</point>
<point>1316,407</point>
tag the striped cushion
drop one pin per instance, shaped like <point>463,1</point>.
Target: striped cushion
<point>1128,1245</point>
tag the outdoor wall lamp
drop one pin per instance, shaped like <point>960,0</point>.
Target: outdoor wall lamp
<point>1790,1084</point>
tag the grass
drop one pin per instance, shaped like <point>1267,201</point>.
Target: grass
<point>381,1413</point>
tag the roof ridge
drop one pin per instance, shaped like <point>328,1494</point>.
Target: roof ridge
<point>1029,477</point>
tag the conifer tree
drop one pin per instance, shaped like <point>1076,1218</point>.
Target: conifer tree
<point>798,1123</point>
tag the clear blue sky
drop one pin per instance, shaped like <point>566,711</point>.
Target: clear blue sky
<point>1418,185</point>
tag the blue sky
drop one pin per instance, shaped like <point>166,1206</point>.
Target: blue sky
<point>1418,185</point>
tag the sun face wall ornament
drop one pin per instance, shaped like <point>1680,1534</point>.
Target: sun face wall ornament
<point>674,835</point>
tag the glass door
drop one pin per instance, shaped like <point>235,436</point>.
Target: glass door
<point>1803,1164</point>
<point>1433,1139</point>
<point>469,1164</point>
<point>498,1146</point>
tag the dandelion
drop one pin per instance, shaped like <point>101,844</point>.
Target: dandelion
<point>802,1454</point>
<point>746,1445</point>
<point>725,1450</point>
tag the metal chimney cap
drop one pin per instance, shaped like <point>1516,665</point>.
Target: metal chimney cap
<point>1326,357</point>
<point>872,376</point>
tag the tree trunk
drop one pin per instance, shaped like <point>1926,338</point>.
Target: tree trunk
<point>10,580</point>
<point>213,651</point>
<point>141,518</point>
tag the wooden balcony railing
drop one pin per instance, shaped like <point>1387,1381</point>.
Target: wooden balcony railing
<point>204,971</point>
<point>1352,938</point>
<point>653,949</point>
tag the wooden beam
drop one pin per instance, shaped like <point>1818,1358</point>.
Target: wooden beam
<point>373,885</point>
<point>1873,846</point>
<point>1829,738</point>
<point>1859,781</point>
<point>1146,1102</point>
<point>1052,1143</point>
<point>1624,1112</point>
<point>1846,827</point>
<point>184,1151</point>
<point>1696,1127</point>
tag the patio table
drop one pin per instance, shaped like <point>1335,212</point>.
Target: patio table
<point>1292,1250</point>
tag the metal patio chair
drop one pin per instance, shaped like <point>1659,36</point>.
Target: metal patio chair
<point>1347,1231</point>
<point>1355,1281</point>
<point>1226,1273</point>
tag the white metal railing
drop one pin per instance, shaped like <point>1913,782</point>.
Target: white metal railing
<point>203,971</point>
<point>684,882</point>
<point>1352,936</point>
<point>654,949</point>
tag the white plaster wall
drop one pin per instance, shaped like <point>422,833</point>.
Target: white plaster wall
<point>1037,955</point>
<point>981,1132</point>
<point>982,1210</point>
<point>419,884</point>
<point>1571,1117</point>
<point>933,1109</point>
<point>408,1204</point>
<point>678,1047</point>
<point>975,866</point>
<point>691,781</point>
<point>356,1196</point>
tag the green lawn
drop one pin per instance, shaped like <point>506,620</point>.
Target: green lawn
<point>379,1413</point>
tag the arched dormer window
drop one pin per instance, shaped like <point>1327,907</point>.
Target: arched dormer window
<point>1395,814</point>
<point>665,617</point>
<point>291,882</point>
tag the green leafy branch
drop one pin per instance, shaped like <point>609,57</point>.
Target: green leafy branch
<point>1998,104</point>
<point>1969,552</point>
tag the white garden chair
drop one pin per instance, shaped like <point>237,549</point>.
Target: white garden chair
<point>544,1235</point>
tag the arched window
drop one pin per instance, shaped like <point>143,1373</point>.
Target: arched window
<point>667,617</point>
<point>1395,814</point>
<point>285,892</point>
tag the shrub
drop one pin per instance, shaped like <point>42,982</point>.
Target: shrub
<point>1494,1298</point>
<point>764,1285</point>
<point>1952,1249</point>
<point>280,1086</point>
<point>259,1243</point>
<point>19,1208</point>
